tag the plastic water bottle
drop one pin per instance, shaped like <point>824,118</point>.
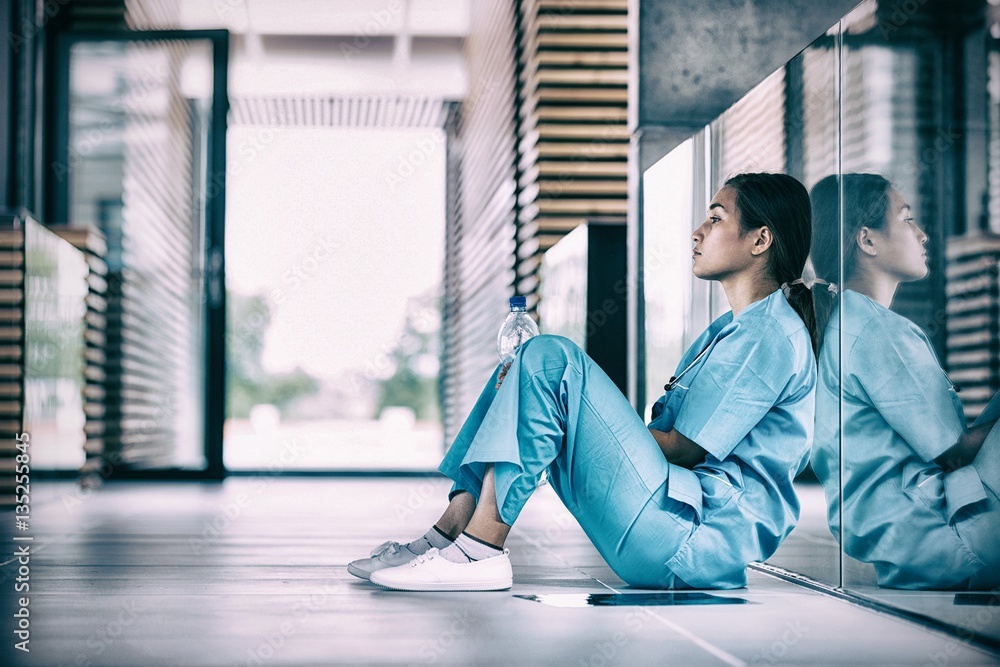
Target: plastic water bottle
<point>517,328</point>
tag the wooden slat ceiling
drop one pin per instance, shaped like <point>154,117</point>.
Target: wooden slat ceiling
<point>326,111</point>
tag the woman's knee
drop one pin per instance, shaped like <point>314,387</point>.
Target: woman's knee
<point>549,346</point>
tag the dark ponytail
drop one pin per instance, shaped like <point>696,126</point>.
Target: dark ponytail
<point>801,299</point>
<point>781,203</point>
<point>864,199</point>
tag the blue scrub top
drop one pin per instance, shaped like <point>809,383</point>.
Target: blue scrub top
<point>900,412</point>
<point>749,402</point>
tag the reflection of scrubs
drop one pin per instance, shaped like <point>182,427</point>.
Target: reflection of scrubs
<point>919,527</point>
<point>748,402</point>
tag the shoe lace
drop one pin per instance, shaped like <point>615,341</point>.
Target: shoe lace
<point>423,558</point>
<point>385,548</point>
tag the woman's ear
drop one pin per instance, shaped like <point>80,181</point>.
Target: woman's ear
<point>865,242</point>
<point>762,241</point>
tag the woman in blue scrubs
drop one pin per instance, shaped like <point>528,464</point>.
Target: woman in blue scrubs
<point>686,501</point>
<point>919,487</point>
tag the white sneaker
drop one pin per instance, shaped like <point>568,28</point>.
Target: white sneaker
<point>387,554</point>
<point>431,572</point>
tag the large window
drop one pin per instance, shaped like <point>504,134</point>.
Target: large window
<point>335,242</point>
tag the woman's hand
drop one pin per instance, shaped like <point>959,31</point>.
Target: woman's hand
<point>503,374</point>
<point>678,449</point>
<point>963,452</point>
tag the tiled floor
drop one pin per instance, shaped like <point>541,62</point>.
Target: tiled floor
<point>251,572</point>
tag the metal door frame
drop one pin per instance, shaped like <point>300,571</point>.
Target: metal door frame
<point>214,293</point>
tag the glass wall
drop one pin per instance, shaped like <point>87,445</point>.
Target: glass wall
<point>55,314</point>
<point>892,121</point>
<point>918,354</point>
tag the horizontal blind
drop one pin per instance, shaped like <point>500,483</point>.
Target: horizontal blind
<point>972,291</point>
<point>153,328</point>
<point>94,248</point>
<point>480,233</point>
<point>12,352</point>
<point>751,133</point>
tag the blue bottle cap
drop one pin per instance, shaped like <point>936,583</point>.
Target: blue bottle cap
<point>518,302</point>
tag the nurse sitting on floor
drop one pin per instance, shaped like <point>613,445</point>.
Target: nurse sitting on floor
<point>685,502</point>
<point>919,488</point>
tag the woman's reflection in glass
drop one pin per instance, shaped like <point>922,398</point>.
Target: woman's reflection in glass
<point>919,486</point>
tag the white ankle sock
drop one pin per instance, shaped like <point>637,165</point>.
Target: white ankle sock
<point>466,549</point>
<point>433,538</point>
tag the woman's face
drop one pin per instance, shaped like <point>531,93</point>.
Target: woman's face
<point>720,249</point>
<point>900,246</point>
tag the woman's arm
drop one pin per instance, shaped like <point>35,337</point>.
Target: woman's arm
<point>963,452</point>
<point>678,449</point>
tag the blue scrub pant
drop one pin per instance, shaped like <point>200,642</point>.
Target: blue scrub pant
<point>557,409</point>
<point>979,526</point>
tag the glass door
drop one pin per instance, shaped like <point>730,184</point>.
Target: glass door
<point>137,170</point>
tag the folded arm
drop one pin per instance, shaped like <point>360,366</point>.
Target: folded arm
<point>678,449</point>
<point>963,452</point>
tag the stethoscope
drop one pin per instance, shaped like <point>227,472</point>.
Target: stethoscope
<point>675,380</point>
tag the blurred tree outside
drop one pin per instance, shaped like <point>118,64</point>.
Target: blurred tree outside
<point>415,360</point>
<point>248,383</point>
